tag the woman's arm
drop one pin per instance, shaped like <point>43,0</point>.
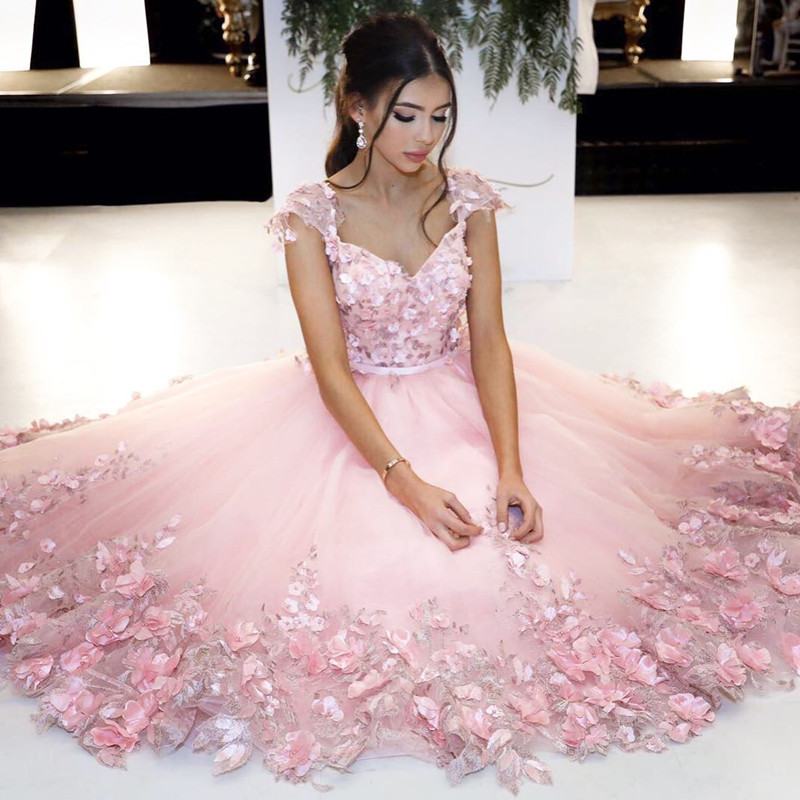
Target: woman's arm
<point>493,369</point>
<point>313,293</point>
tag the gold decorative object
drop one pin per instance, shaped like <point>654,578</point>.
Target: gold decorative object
<point>240,24</point>
<point>632,12</point>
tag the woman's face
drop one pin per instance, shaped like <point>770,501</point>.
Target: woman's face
<point>416,123</point>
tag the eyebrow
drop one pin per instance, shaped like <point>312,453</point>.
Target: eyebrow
<point>420,108</point>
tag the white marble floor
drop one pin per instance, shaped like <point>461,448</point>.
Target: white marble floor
<point>700,291</point>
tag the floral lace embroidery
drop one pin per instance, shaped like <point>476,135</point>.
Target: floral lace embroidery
<point>390,318</point>
<point>117,661</point>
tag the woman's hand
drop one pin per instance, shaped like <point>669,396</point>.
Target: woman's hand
<point>512,491</point>
<point>440,511</point>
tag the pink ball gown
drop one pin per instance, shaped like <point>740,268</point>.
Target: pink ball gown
<point>216,565</point>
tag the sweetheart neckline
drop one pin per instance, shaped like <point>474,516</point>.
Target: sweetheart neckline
<point>403,271</point>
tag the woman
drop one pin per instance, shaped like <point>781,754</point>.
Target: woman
<point>340,554</point>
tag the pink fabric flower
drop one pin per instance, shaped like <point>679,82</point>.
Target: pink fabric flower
<point>110,626</point>
<point>696,711</point>
<point>367,684</point>
<point>401,642</point>
<point>255,679</point>
<point>671,643</point>
<point>429,710</point>
<point>80,657</point>
<point>136,714</point>
<point>640,667</point>
<point>757,658</point>
<point>618,641</point>
<point>567,690</point>
<point>790,644</point>
<point>468,691</point>
<point>580,718</point>
<point>477,721</point>
<point>244,634</point>
<point>19,588</point>
<point>346,654</point>
<point>653,594</point>
<point>699,618</point>
<point>587,655</point>
<point>113,735</point>
<point>301,644</point>
<point>157,620</point>
<point>150,669</point>
<point>32,671</point>
<point>597,737</point>
<point>785,584</point>
<point>772,430</point>
<point>135,583</point>
<point>679,732</point>
<point>533,708</point>
<point>730,669</point>
<point>772,462</point>
<point>298,754</point>
<point>583,714</point>
<point>328,707</point>
<point>24,625</point>
<point>74,703</point>
<point>724,561</point>
<point>742,611</point>
<point>608,696</point>
<point>102,559</point>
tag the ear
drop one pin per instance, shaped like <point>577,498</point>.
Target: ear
<point>356,102</point>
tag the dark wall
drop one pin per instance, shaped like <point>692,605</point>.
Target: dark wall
<point>183,31</point>
<point>664,34</point>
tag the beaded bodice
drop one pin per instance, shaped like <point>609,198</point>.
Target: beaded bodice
<point>395,321</point>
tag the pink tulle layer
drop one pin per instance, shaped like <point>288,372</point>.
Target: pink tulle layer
<point>217,565</point>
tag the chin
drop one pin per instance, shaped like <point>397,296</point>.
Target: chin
<point>410,167</point>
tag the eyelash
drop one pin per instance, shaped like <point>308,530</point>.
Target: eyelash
<point>401,118</point>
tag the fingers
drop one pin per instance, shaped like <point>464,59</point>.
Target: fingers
<point>455,505</point>
<point>538,529</point>
<point>526,526</point>
<point>502,513</point>
<point>455,524</point>
<point>459,519</point>
<point>450,539</point>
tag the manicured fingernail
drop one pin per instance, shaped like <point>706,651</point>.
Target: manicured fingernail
<point>502,527</point>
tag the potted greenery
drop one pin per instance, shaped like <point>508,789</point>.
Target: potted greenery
<point>530,41</point>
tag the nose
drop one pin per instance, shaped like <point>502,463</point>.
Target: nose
<point>425,133</point>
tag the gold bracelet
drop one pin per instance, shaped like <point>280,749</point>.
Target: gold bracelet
<point>394,462</point>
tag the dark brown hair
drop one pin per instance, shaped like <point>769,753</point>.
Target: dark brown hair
<point>383,49</point>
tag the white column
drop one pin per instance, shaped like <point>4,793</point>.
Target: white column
<point>709,30</point>
<point>112,33</point>
<point>16,34</point>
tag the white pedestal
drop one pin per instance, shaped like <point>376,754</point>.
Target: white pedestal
<point>111,34</point>
<point>16,34</point>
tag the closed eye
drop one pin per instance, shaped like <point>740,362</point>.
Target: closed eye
<point>402,118</point>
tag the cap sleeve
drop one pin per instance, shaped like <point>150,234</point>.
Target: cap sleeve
<point>311,205</point>
<point>471,191</point>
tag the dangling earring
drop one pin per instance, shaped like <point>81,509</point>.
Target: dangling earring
<point>361,142</point>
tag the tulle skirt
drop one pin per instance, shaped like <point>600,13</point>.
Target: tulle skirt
<point>216,566</point>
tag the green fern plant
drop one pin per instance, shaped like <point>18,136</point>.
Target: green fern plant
<point>531,40</point>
